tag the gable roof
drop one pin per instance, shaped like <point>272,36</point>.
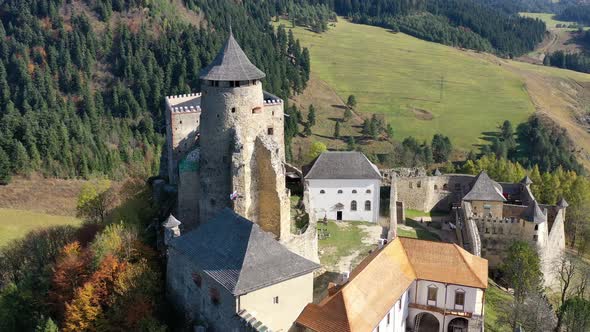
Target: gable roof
<point>485,189</point>
<point>239,255</point>
<point>343,165</point>
<point>231,64</point>
<point>446,262</point>
<point>382,278</point>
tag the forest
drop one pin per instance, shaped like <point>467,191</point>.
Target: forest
<point>76,101</point>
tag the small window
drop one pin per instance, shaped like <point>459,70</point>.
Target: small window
<point>432,290</point>
<point>435,187</point>
<point>487,230</point>
<point>354,191</point>
<point>445,187</point>
<point>197,279</point>
<point>368,191</point>
<point>536,227</point>
<point>233,109</point>
<point>388,317</point>
<point>419,184</point>
<point>257,110</point>
<point>322,191</point>
<point>535,238</point>
<point>340,191</point>
<point>353,206</point>
<point>275,300</point>
<point>411,185</point>
<point>180,121</point>
<point>459,298</point>
<point>367,205</point>
<point>493,230</point>
<point>399,304</point>
<point>270,131</point>
<point>214,296</point>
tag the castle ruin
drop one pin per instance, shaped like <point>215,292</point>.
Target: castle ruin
<point>226,150</point>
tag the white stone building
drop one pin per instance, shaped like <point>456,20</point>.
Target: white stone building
<point>409,285</point>
<point>343,185</point>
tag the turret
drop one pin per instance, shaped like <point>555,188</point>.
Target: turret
<point>171,229</point>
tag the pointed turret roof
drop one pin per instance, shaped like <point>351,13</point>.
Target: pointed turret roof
<point>437,172</point>
<point>535,214</point>
<point>231,64</point>
<point>562,203</point>
<point>171,222</point>
<point>526,181</point>
<point>485,189</point>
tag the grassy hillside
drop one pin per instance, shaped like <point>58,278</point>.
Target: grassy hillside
<point>17,223</point>
<point>422,88</point>
<point>400,76</point>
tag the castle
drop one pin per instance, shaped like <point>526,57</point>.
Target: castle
<point>226,150</point>
<point>488,215</point>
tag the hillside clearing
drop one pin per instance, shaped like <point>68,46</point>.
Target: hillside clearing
<point>394,74</point>
<point>16,223</point>
<point>404,78</point>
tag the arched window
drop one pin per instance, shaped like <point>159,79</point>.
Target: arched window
<point>368,191</point>
<point>459,299</point>
<point>353,206</point>
<point>322,191</point>
<point>445,187</point>
<point>340,191</point>
<point>354,191</point>
<point>367,205</point>
<point>419,184</point>
<point>435,187</point>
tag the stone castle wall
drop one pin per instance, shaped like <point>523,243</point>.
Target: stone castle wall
<point>426,193</point>
<point>182,126</point>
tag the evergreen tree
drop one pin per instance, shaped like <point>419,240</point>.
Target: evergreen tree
<point>337,129</point>
<point>311,116</point>
<point>351,144</point>
<point>441,148</point>
<point>351,101</point>
<point>307,129</point>
<point>5,169</point>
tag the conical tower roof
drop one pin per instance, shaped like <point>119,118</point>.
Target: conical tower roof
<point>437,172</point>
<point>535,214</point>
<point>526,181</point>
<point>231,64</point>
<point>562,203</point>
<point>171,222</point>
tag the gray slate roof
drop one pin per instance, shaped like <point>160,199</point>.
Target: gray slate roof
<point>231,64</point>
<point>343,165</point>
<point>485,189</point>
<point>171,222</point>
<point>526,181</point>
<point>562,203</point>
<point>239,255</point>
<point>437,172</point>
<point>535,214</point>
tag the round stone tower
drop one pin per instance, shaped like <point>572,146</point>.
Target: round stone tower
<point>231,95</point>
